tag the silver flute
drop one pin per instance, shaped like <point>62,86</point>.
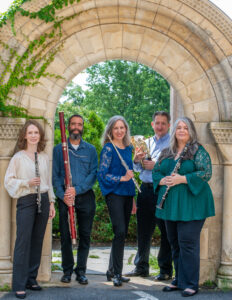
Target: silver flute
<point>124,163</point>
<point>38,199</point>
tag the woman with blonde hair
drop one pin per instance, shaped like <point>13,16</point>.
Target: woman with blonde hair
<point>118,188</point>
<point>28,180</point>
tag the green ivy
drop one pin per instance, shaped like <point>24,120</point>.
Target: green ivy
<point>26,69</point>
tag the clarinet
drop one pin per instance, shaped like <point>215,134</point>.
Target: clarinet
<point>124,164</point>
<point>175,171</point>
<point>38,199</point>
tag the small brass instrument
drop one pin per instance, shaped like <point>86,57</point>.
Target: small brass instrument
<point>140,145</point>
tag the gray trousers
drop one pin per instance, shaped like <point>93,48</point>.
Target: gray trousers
<point>31,227</point>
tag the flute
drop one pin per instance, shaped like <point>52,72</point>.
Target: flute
<point>124,163</point>
<point>175,170</point>
<point>38,199</point>
<point>68,178</point>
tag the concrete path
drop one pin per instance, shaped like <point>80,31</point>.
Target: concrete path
<point>99,289</point>
<point>99,259</point>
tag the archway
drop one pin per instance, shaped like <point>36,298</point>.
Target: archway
<point>187,42</point>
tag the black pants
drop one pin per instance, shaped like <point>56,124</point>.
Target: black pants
<point>120,211</point>
<point>184,238</point>
<point>146,222</point>
<point>31,227</point>
<point>85,210</point>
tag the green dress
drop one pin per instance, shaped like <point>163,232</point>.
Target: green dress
<point>186,202</point>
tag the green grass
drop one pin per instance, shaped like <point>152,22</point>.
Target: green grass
<point>5,288</point>
<point>56,268</point>
<point>93,256</point>
<point>130,259</point>
<point>154,265</point>
<point>56,254</point>
<point>56,262</point>
<point>209,284</point>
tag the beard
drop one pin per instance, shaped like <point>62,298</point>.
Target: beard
<point>75,136</point>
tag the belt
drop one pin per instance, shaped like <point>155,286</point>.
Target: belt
<point>148,185</point>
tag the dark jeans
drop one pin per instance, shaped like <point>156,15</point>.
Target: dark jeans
<point>184,238</point>
<point>31,227</point>
<point>85,209</point>
<point>120,211</point>
<point>146,222</point>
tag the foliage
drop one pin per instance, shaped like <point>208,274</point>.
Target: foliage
<point>129,89</point>
<point>153,262</point>
<point>74,93</point>
<point>5,288</point>
<point>93,125</point>
<point>27,70</point>
<point>20,70</point>
<point>47,13</point>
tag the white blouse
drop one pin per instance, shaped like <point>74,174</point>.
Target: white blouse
<point>21,169</point>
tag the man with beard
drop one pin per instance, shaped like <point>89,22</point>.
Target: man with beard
<point>83,165</point>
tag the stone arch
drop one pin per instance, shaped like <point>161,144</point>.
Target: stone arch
<point>187,42</point>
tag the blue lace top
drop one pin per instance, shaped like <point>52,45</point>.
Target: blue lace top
<point>111,170</point>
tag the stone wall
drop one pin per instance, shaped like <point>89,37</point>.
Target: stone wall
<point>187,42</point>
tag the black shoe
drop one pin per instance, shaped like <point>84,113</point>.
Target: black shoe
<point>124,279</point>
<point>82,279</point>
<point>66,278</point>
<point>188,294</point>
<point>170,289</point>
<point>34,287</point>
<point>162,277</point>
<point>109,275</point>
<point>135,273</point>
<point>20,296</point>
<point>117,280</point>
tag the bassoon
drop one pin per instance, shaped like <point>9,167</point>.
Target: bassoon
<point>175,171</point>
<point>68,178</point>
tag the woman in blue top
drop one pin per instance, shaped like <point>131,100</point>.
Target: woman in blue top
<point>188,203</point>
<point>118,188</point>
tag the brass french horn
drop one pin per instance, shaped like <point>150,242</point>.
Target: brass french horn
<point>139,144</point>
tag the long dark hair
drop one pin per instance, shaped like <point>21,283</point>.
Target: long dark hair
<point>22,142</point>
<point>193,143</point>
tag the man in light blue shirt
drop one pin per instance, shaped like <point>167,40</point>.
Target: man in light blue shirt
<point>146,202</point>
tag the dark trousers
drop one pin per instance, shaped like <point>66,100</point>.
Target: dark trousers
<point>30,231</point>
<point>146,222</point>
<point>184,238</point>
<point>85,210</point>
<point>120,211</point>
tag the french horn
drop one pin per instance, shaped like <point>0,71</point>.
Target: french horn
<point>140,145</point>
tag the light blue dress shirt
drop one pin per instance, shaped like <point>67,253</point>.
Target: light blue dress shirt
<point>156,146</point>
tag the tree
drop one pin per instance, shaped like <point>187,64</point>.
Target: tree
<point>129,89</point>
<point>93,124</point>
<point>74,93</point>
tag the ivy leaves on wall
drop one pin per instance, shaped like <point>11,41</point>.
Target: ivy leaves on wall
<point>19,70</point>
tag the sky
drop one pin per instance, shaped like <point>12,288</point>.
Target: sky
<point>224,5</point>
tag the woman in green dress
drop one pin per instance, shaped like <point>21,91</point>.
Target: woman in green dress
<point>188,203</point>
